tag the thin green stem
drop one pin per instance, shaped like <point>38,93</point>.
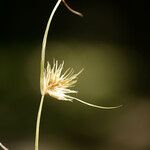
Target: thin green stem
<point>38,123</point>
<point>44,45</point>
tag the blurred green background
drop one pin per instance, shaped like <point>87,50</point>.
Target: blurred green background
<point>111,43</point>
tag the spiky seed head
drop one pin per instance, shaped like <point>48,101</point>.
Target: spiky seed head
<point>57,84</point>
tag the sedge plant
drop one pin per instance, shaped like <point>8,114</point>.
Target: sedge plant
<point>53,81</point>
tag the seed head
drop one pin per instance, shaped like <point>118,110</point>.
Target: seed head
<point>57,84</point>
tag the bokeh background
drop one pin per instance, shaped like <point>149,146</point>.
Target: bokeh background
<point>111,43</point>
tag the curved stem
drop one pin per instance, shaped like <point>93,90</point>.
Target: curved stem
<point>72,10</point>
<point>38,124</point>
<point>44,44</point>
<point>93,105</point>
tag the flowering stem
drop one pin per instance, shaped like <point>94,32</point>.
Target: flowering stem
<point>42,70</point>
<point>42,74</point>
<point>44,44</point>
<point>38,123</point>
